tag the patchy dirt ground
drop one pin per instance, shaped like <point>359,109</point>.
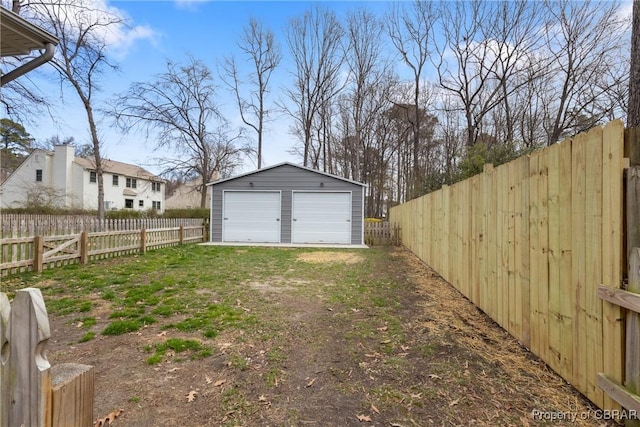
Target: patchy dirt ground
<point>457,368</point>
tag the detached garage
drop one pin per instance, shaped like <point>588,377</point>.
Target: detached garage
<point>287,204</point>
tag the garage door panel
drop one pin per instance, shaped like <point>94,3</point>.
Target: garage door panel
<point>321,217</point>
<point>251,216</point>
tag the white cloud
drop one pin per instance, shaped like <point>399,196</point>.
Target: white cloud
<point>188,4</point>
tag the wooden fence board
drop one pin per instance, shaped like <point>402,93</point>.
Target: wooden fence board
<point>524,268</point>
<point>556,321</point>
<point>612,245</point>
<point>593,249</point>
<point>578,271</point>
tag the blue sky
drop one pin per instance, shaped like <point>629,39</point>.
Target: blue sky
<point>173,29</point>
<point>159,30</point>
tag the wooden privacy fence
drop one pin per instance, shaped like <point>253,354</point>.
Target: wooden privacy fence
<point>529,242</point>
<point>39,252</point>
<point>32,393</point>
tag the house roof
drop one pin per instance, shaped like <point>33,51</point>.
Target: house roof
<point>19,36</point>
<point>287,164</point>
<point>118,168</point>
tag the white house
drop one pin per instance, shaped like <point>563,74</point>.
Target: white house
<point>60,179</point>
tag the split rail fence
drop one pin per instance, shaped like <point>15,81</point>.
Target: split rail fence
<point>535,243</point>
<point>36,253</point>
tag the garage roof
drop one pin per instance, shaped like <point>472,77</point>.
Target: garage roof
<point>289,164</point>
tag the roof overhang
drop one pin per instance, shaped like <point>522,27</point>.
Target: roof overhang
<point>20,37</point>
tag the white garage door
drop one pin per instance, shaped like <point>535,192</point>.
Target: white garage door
<point>321,218</point>
<point>251,216</point>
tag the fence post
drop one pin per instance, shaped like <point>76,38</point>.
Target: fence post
<point>72,394</point>
<point>38,243</point>
<point>143,240</point>
<point>632,321</point>
<point>84,247</point>
<point>4,389</point>
<point>26,378</point>
<point>181,234</point>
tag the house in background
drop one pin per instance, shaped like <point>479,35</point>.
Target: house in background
<point>62,180</point>
<point>287,204</point>
<point>188,196</point>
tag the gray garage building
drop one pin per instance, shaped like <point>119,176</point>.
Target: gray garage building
<point>287,204</point>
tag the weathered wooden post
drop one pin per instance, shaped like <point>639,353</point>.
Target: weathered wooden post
<point>72,391</point>
<point>38,244</point>
<point>143,240</point>
<point>4,350</point>
<point>181,236</point>
<point>26,380</point>
<point>84,247</point>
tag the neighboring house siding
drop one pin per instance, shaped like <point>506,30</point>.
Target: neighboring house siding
<point>69,177</point>
<point>287,179</point>
<point>14,190</point>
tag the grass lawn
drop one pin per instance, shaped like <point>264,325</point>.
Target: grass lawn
<point>209,335</point>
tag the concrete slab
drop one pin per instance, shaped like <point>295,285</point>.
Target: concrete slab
<point>286,245</point>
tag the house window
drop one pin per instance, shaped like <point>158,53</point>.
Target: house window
<point>92,177</point>
<point>155,186</point>
<point>115,180</point>
<point>156,205</point>
<point>141,203</point>
<point>38,175</point>
<point>128,203</point>
<point>132,183</point>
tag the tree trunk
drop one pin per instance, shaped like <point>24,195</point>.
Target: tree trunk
<point>633,109</point>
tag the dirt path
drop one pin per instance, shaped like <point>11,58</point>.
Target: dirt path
<point>318,369</point>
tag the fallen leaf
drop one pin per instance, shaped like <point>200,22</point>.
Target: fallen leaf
<point>208,379</point>
<point>79,324</point>
<point>435,377</point>
<point>106,421</point>
<point>454,402</point>
<point>355,310</point>
<point>162,334</point>
<point>310,383</point>
<point>383,328</point>
<point>404,347</point>
<point>219,383</point>
<point>173,369</point>
<point>385,342</point>
<point>192,396</point>
<point>374,409</point>
<point>364,418</point>
<point>262,398</point>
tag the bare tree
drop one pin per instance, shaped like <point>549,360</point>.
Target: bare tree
<point>411,32</point>
<point>179,108</point>
<point>315,44</point>
<point>261,49</point>
<point>585,40</point>
<point>81,57</point>
<point>485,51</point>
<point>366,92</point>
<point>633,108</point>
